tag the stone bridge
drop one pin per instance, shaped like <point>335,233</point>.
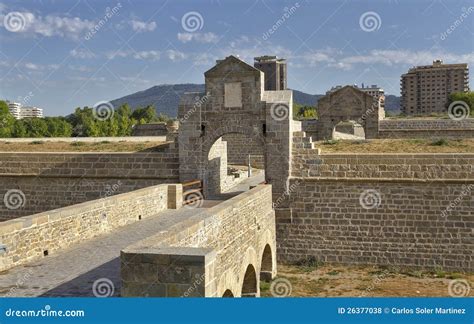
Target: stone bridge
<point>217,248</point>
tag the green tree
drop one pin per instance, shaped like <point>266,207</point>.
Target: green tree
<point>145,115</point>
<point>304,112</point>
<point>58,127</point>
<point>467,97</point>
<point>7,121</point>
<point>36,127</point>
<point>19,129</point>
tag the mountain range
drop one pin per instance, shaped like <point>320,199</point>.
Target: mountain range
<point>165,98</point>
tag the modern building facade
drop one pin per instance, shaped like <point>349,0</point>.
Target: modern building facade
<point>425,89</point>
<point>14,108</point>
<point>19,112</point>
<point>275,72</point>
<point>31,112</point>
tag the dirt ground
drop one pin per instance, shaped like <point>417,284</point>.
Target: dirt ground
<point>397,146</point>
<point>38,146</point>
<point>358,281</point>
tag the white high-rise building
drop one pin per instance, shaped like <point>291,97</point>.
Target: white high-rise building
<point>14,108</point>
<point>31,112</point>
<point>18,111</point>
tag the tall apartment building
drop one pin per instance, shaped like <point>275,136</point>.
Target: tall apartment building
<point>275,71</point>
<point>425,89</point>
<point>19,112</point>
<point>31,112</point>
<point>14,108</point>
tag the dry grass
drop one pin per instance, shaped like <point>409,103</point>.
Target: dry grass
<point>38,146</point>
<point>353,281</point>
<point>397,146</point>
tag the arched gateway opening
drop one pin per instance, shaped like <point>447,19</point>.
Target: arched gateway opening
<point>233,160</point>
<point>249,286</point>
<point>236,110</point>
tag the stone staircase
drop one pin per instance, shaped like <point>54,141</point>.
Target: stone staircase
<point>302,141</point>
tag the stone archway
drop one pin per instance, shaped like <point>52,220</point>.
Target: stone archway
<point>348,103</point>
<point>266,269</point>
<point>236,102</point>
<point>250,282</point>
<point>215,149</point>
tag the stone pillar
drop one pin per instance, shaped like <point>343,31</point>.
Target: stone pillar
<point>278,147</point>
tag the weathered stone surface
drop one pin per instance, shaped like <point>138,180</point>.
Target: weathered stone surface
<point>209,253</point>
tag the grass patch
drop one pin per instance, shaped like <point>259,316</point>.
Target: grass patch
<point>455,275</point>
<point>440,142</point>
<point>330,142</point>
<point>309,264</point>
<point>264,286</point>
<point>78,144</point>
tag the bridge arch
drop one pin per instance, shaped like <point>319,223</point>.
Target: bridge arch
<point>228,293</point>
<point>250,282</point>
<point>266,268</point>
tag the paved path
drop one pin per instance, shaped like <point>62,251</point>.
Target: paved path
<point>72,272</point>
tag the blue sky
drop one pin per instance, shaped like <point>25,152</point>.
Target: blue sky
<point>59,55</point>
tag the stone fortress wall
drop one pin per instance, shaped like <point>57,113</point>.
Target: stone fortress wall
<point>32,237</point>
<point>408,210</point>
<point>54,180</point>
<point>426,128</point>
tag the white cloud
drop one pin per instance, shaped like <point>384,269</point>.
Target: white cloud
<point>50,25</point>
<point>175,56</point>
<point>147,55</point>
<point>82,53</point>
<point>408,57</point>
<point>198,37</point>
<point>32,66</point>
<point>79,68</point>
<point>142,26</point>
